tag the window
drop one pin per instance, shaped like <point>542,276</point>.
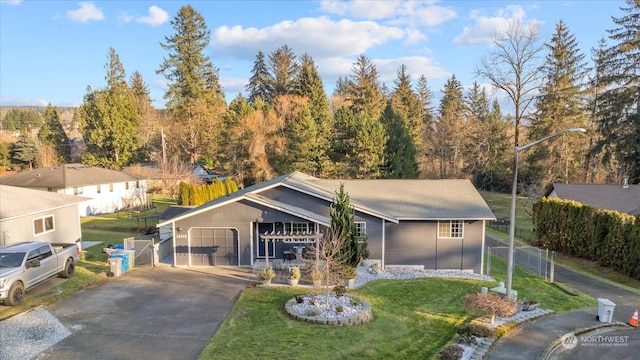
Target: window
<point>299,227</point>
<point>45,252</point>
<point>77,190</point>
<point>98,188</point>
<point>361,230</point>
<point>43,225</point>
<point>137,184</point>
<point>450,229</point>
<point>126,185</point>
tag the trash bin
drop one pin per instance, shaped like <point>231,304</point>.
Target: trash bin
<point>115,266</point>
<point>124,260</point>
<point>605,310</point>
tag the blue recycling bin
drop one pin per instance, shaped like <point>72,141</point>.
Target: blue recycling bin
<point>124,257</point>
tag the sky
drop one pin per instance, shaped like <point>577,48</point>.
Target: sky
<point>52,51</point>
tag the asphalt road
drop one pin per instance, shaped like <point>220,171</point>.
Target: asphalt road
<point>148,313</point>
<point>588,285</point>
<point>610,345</point>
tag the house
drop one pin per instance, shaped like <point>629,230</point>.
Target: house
<point>107,190</point>
<point>431,224</point>
<point>623,198</point>
<point>33,215</point>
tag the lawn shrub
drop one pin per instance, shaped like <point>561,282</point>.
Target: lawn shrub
<point>477,330</point>
<point>451,352</point>
<point>490,304</point>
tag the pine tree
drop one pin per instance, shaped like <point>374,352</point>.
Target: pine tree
<point>283,70</point>
<point>408,106</point>
<point>110,119</point>
<point>619,106</point>
<point>400,152</point>
<point>195,102</point>
<point>369,148</point>
<point>24,150</point>
<point>559,106</point>
<point>343,227</point>
<point>52,133</point>
<point>449,130</point>
<point>310,85</point>
<point>343,143</point>
<point>148,135</point>
<point>426,156</point>
<point>363,90</point>
<point>260,82</point>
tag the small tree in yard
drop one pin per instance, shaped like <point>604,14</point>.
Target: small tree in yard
<point>343,226</point>
<point>490,304</point>
<point>330,261</point>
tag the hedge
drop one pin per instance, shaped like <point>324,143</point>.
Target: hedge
<point>608,237</point>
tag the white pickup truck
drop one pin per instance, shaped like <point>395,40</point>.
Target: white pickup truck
<point>27,264</point>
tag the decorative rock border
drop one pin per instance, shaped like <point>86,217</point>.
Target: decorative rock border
<point>363,316</point>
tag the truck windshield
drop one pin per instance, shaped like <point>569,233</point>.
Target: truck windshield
<point>11,259</point>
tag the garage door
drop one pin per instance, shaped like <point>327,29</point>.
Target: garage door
<point>213,246</point>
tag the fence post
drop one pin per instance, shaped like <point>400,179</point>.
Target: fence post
<point>553,265</point>
<point>488,260</point>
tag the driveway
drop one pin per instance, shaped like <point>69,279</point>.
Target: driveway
<point>148,313</point>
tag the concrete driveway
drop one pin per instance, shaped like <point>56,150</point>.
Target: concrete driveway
<point>148,313</point>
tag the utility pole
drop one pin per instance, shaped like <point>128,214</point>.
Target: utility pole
<point>164,147</point>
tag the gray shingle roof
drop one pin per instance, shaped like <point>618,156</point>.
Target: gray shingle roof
<point>16,201</point>
<point>59,177</point>
<point>602,196</point>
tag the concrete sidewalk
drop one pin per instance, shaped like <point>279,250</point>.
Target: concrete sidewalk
<point>535,340</point>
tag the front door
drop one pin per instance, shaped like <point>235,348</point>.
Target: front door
<point>262,228</point>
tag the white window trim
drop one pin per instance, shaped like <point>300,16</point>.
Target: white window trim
<point>451,222</point>
<point>363,233</point>
<point>44,229</point>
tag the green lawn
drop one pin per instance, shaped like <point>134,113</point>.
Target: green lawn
<point>414,319</point>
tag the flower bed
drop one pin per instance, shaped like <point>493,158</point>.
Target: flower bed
<point>340,310</point>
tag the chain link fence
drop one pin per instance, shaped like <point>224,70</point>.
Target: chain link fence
<point>538,262</point>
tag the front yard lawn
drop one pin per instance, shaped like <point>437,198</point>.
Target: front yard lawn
<point>413,319</point>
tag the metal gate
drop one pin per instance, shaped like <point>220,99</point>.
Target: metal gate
<point>539,262</point>
<point>143,248</point>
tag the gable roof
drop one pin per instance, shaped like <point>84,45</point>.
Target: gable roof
<point>392,200</point>
<point>601,196</point>
<point>62,176</point>
<point>16,201</point>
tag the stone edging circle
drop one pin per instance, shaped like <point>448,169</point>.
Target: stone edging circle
<point>363,316</point>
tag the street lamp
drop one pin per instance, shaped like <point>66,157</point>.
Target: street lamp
<point>512,220</point>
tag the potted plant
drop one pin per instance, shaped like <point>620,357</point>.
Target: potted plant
<point>294,276</point>
<point>316,277</point>
<point>349,275</point>
<point>265,275</point>
<point>339,290</point>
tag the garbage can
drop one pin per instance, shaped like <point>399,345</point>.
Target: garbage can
<point>115,266</point>
<point>124,260</point>
<point>605,310</point>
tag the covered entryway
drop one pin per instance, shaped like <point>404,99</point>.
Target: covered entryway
<point>208,246</point>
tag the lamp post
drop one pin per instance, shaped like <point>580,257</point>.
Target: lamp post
<point>512,218</point>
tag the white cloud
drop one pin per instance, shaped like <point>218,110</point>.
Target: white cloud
<point>320,37</point>
<point>10,2</point>
<point>124,17</point>
<point>485,27</point>
<point>156,17</point>
<point>87,12</point>
<point>16,101</point>
<point>397,12</point>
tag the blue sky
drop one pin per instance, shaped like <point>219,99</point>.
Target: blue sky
<point>50,51</point>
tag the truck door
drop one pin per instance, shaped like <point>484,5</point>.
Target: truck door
<point>48,262</point>
<point>33,275</point>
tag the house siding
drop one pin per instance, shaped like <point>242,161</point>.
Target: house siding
<point>66,227</point>
<point>416,243</point>
<point>107,201</point>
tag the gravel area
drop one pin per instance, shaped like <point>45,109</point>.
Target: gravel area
<point>26,335</point>
<point>366,274</point>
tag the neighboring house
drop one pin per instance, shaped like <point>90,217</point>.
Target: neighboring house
<point>108,190</point>
<point>33,215</point>
<point>431,224</point>
<point>175,173</point>
<point>622,198</point>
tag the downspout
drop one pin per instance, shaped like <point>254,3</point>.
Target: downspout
<point>173,240</point>
<point>484,227</point>
<point>384,241</point>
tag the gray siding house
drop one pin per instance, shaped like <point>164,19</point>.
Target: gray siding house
<point>34,215</point>
<point>430,224</point>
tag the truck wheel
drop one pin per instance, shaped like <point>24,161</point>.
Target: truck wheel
<point>16,294</point>
<point>69,269</point>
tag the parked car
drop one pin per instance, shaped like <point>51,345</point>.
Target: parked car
<point>27,264</point>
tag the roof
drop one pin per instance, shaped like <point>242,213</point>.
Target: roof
<point>67,175</point>
<point>392,200</point>
<point>16,201</point>
<point>602,196</point>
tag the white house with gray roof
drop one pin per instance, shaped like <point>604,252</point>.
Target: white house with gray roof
<point>104,190</point>
<point>431,224</point>
<point>33,215</point>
